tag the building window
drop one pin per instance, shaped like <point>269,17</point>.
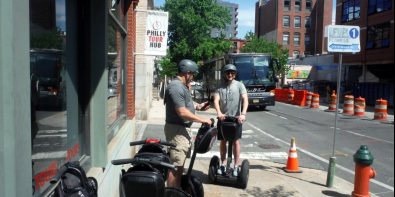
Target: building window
<point>285,21</point>
<point>307,22</point>
<point>286,38</point>
<point>287,5</point>
<point>296,39</point>
<point>298,5</point>
<point>297,21</point>
<point>378,36</point>
<point>306,40</point>
<point>351,10</point>
<point>116,67</point>
<point>295,54</point>
<point>377,6</point>
<point>308,5</point>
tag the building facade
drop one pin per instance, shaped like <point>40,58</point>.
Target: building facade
<point>296,24</point>
<point>67,91</point>
<point>376,21</point>
<point>230,30</point>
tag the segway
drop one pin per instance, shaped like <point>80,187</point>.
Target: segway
<point>228,128</point>
<point>204,141</point>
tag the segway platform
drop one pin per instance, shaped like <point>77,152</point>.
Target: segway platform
<point>228,130</point>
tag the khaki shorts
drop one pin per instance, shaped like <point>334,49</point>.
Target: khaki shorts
<point>181,136</point>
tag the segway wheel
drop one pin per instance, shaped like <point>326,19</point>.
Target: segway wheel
<point>212,170</point>
<point>194,187</point>
<point>242,179</point>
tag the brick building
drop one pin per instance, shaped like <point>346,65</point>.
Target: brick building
<point>376,21</point>
<point>296,24</point>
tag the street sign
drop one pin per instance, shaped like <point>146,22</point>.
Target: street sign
<point>344,38</point>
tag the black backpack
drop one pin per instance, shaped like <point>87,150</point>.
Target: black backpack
<point>73,182</point>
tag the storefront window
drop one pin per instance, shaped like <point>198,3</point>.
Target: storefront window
<point>116,62</point>
<point>52,142</point>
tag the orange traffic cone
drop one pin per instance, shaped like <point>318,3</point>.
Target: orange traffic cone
<point>292,163</point>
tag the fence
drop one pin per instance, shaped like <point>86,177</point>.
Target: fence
<point>373,91</point>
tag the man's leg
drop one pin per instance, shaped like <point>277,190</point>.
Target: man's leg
<point>174,178</point>
<point>236,151</point>
<point>222,149</point>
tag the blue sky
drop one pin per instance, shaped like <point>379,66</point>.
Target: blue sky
<point>246,14</point>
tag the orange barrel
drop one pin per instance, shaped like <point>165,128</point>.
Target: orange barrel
<point>291,95</point>
<point>315,101</point>
<point>359,109</point>
<point>332,103</point>
<point>348,106</point>
<point>380,110</point>
<point>309,96</point>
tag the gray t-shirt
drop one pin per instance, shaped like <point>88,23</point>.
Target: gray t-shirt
<point>230,97</point>
<point>177,95</point>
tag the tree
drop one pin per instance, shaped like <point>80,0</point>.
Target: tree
<point>47,40</point>
<point>167,67</point>
<point>190,24</point>
<point>261,45</point>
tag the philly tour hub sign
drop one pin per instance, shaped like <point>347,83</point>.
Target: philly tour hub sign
<point>344,39</point>
<point>156,33</point>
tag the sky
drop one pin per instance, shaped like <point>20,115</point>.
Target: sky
<point>246,14</point>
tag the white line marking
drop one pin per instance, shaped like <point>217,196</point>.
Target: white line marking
<point>50,155</point>
<point>52,131</point>
<point>361,135</point>
<point>276,115</point>
<point>320,158</point>
<point>49,136</point>
<point>248,131</point>
<point>250,155</point>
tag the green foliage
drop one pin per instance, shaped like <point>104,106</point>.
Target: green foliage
<point>167,67</point>
<point>261,45</point>
<point>48,40</point>
<point>190,23</point>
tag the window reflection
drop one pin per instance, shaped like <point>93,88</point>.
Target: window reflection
<point>52,143</point>
<point>115,72</point>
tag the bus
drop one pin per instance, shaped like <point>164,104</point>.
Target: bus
<point>254,70</point>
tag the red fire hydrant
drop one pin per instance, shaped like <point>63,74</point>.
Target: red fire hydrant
<point>363,172</point>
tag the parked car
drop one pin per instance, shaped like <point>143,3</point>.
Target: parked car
<point>47,65</point>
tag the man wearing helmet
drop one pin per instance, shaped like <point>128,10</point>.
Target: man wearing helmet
<point>231,100</point>
<point>180,114</point>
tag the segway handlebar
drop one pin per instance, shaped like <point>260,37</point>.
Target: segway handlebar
<point>147,141</point>
<point>142,160</point>
<point>59,174</point>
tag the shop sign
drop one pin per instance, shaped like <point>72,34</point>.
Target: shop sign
<point>156,33</point>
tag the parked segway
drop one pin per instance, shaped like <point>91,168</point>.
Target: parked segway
<point>228,129</point>
<point>148,172</point>
<point>204,140</point>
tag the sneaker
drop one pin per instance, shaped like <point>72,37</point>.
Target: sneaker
<point>221,170</point>
<point>235,171</point>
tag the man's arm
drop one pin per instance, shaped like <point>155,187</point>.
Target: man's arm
<point>245,104</point>
<point>217,108</point>
<point>185,114</point>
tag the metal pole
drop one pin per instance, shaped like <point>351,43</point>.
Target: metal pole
<point>332,160</point>
<point>339,72</point>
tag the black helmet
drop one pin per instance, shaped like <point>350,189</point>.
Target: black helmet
<point>187,66</point>
<point>230,67</point>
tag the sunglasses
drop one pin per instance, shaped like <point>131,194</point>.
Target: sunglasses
<point>230,72</point>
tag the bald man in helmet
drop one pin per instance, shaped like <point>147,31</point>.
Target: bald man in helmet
<point>231,100</point>
<point>180,114</point>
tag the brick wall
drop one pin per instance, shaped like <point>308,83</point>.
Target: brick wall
<point>130,65</point>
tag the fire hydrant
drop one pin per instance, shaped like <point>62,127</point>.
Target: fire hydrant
<point>363,172</point>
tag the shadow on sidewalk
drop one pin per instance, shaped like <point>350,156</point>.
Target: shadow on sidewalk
<point>334,193</point>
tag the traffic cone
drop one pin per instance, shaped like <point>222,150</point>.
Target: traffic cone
<point>292,163</point>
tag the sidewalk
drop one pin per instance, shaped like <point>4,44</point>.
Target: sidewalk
<point>266,178</point>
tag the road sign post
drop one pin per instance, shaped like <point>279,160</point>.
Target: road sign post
<point>341,39</point>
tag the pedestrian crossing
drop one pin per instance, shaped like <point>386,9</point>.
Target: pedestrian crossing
<point>249,148</point>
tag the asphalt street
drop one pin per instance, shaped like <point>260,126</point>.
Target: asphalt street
<point>267,135</point>
<point>314,133</point>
